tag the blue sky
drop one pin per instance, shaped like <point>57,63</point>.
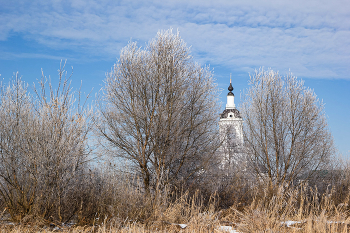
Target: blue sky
<point>311,38</point>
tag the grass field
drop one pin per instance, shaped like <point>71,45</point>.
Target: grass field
<point>299,210</point>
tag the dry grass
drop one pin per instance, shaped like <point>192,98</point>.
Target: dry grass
<point>310,211</point>
<point>269,211</point>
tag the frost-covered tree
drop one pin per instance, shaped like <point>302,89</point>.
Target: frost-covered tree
<point>285,128</point>
<point>159,111</point>
<point>42,148</point>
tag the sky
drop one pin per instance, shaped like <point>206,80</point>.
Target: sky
<point>309,38</point>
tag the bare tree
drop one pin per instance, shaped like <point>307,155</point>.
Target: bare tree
<point>285,129</point>
<point>60,145</point>
<point>17,183</point>
<point>159,111</point>
<point>42,147</point>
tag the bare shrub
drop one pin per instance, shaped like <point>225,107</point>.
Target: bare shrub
<point>42,148</point>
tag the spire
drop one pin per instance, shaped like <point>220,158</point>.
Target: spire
<point>230,88</point>
<point>230,97</point>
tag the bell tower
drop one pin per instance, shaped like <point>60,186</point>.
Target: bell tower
<point>231,131</point>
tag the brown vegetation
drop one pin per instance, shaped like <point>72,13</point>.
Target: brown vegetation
<point>309,210</point>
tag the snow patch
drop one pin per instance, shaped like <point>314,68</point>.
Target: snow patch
<point>228,229</point>
<point>290,223</point>
<point>183,226</point>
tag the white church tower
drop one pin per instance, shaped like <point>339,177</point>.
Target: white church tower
<point>231,132</point>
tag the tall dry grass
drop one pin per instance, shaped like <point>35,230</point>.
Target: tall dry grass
<point>110,202</point>
<point>310,211</point>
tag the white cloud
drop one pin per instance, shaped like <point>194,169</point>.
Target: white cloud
<point>8,56</point>
<point>310,37</point>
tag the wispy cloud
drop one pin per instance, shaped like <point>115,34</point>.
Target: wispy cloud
<point>310,37</point>
<point>9,56</point>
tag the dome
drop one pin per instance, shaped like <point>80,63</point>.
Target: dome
<point>230,88</point>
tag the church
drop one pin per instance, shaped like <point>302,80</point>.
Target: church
<point>231,133</point>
